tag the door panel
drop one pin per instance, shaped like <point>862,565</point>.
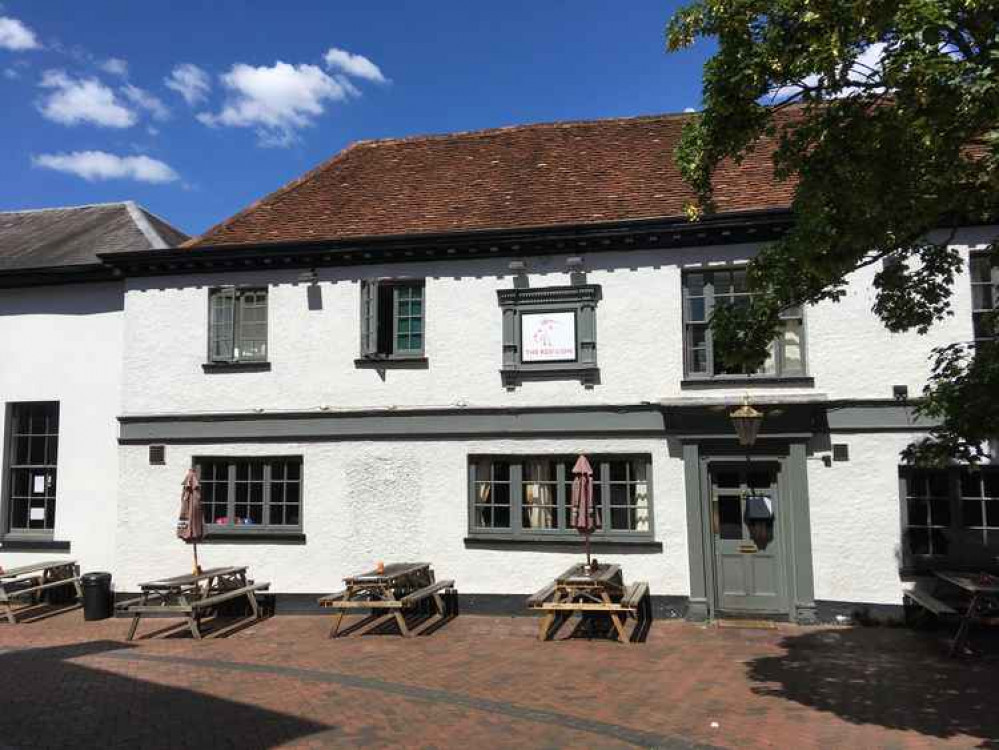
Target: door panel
<point>749,577</point>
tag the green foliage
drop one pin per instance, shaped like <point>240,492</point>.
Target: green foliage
<point>885,117</point>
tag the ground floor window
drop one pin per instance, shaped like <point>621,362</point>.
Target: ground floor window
<point>32,457</point>
<point>950,516</point>
<point>531,495</point>
<point>260,493</point>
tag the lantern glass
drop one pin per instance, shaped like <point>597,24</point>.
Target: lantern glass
<point>747,422</point>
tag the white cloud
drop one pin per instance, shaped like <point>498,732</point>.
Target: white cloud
<point>689,110</point>
<point>100,165</point>
<point>115,66</point>
<point>143,99</point>
<point>16,36</point>
<point>190,81</point>
<point>11,74</point>
<point>353,65</point>
<point>76,100</point>
<point>276,100</point>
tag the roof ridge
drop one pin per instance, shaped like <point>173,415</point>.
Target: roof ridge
<point>137,214</point>
<point>65,208</point>
<point>553,124</point>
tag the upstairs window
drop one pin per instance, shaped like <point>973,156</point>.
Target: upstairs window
<point>984,283</point>
<point>392,320</point>
<point>703,292</point>
<point>237,325</point>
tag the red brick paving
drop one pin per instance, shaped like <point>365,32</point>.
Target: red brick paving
<point>485,682</point>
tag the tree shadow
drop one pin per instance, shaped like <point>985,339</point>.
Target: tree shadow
<point>890,677</point>
<point>51,701</point>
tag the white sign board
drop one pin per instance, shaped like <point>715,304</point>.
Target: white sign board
<point>37,514</point>
<point>548,337</point>
<point>38,485</point>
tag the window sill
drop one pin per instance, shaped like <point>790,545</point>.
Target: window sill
<point>587,375</point>
<point>741,382</point>
<point>254,537</point>
<point>33,545</point>
<point>392,363</point>
<point>236,366</point>
<point>552,543</point>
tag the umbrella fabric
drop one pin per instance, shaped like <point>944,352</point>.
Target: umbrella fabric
<point>583,516</point>
<point>191,524</point>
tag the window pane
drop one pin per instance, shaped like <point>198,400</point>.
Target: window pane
<point>971,484</point>
<point>940,511</point>
<point>939,542</point>
<point>973,513</point>
<point>991,483</point>
<point>539,495</point>
<point>919,514</point>
<point>981,297</point>
<point>939,484</point>
<point>794,363</point>
<point>919,541</point>
<point>992,513</point>
<point>730,517</point>
<point>696,309</point>
<point>981,268</point>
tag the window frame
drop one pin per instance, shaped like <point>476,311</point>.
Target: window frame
<point>563,482</point>
<point>579,299</point>
<point>370,322</point>
<point>232,528</point>
<point>7,531</point>
<point>968,546</point>
<point>994,283</point>
<point>708,295</point>
<point>236,292</point>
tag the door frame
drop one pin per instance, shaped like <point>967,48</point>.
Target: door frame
<point>794,523</point>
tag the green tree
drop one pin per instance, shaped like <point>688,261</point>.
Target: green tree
<point>885,118</point>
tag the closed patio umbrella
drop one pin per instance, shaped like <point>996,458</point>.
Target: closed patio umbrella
<point>191,524</point>
<point>583,516</point>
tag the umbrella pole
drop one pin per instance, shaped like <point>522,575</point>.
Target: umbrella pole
<point>197,567</point>
<point>587,537</point>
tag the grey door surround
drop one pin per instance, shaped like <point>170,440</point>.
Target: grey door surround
<point>793,525</point>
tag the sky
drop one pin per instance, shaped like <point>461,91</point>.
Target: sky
<point>196,109</point>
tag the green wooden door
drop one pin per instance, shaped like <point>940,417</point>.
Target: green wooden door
<point>749,574</point>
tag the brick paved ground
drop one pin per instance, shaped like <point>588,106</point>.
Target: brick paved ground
<point>485,683</point>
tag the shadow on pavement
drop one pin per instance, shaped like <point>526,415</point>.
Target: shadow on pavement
<point>50,701</point>
<point>887,677</point>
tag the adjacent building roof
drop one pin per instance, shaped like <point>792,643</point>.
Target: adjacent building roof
<point>547,175</point>
<point>73,236</point>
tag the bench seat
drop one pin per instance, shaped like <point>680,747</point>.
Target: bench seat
<point>930,602</point>
<point>419,595</point>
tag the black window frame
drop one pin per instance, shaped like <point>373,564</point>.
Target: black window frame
<point>267,463</point>
<point>237,326</point>
<point>691,321</point>
<point>379,338</point>
<point>11,464</point>
<point>970,546</point>
<point>992,284</point>
<point>603,481</point>
<point>581,300</point>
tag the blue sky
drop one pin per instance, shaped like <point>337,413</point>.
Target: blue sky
<point>196,109</point>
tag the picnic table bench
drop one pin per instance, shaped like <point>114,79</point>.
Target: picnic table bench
<point>980,593</point>
<point>600,590</point>
<point>31,580</point>
<point>192,596</point>
<point>388,594</point>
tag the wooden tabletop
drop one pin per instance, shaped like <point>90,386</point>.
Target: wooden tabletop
<point>35,568</point>
<point>579,574</point>
<point>970,581</point>
<point>392,572</point>
<point>192,578</point>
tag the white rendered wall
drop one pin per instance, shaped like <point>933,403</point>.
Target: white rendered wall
<point>65,344</point>
<point>856,521</point>
<point>639,324</point>
<point>389,501</point>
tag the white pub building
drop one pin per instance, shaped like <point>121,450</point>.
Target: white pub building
<point>400,355</point>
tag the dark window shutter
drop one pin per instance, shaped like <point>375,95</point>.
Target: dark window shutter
<point>369,318</point>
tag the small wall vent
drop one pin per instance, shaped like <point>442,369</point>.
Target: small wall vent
<point>157,455</point>
<point>841,452</point>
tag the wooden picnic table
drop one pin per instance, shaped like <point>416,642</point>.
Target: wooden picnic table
<point>981,590</point>
<point>593,590</point>
<point>31,580</point>
<point>193,595</point>
<point>388,593</point>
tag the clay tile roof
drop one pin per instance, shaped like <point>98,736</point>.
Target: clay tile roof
<point>546,175</point>
<point>72,236</point>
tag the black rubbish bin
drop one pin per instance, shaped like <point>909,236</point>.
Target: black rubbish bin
<point>98,604</point>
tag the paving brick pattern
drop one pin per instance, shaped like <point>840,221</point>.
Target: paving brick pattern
<point>485,682</point>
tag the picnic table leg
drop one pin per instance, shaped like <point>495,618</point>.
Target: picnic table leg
<point>546,620</point>
<point>5,607</point>
<point>192,623</point>
<point>400,618</point>
<point>615,618</point>
<point>336,623</point>
<point>133,627</point>
<point>962,631</point>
